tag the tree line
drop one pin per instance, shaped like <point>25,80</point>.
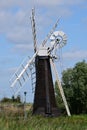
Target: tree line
<point>11,100</point>
<point>74,83</point>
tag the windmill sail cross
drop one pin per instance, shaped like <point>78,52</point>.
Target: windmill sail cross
<point>41,77</point>
<point>50,33</point>
<point>34,29</point>
<point>22,71</point>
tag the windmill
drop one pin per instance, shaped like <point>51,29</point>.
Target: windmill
<point>39,69</point>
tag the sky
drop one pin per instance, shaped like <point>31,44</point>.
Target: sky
<point>16,40</point>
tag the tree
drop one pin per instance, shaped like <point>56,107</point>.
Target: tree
<point>11,100</point>
<point>74,82</point>
<point>59,100</point>
<point>17,99</point>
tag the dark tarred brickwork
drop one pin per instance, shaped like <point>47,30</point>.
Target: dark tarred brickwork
<point>44,98</point>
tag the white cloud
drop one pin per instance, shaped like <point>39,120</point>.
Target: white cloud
<point>15,17</point>
<point>6,4</point>
<point>23,48</point>
<point>11,20</point>
<point>5,21</point>
<point>72,55</point>
<point>59,2</point>
<point>16,27</point>
<point>29,3</point>
<point>19,35</point>
<point>84,20</point>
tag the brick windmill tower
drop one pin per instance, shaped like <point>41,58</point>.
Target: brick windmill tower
<point>41,74</point>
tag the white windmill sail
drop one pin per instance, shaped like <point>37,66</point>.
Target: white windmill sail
<point>59,39</point>
<point>34,29</point>
<point>23,73</point>
<point>60,88</point>
<point>50,33</point>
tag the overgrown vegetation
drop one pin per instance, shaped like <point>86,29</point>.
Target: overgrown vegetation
<point>14,119</point>
<point>10,100</point>
<point>44,123</point>
<point>74,82</point>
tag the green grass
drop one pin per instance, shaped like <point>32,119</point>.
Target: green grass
<point>43,123</point>
<point>12,118</point>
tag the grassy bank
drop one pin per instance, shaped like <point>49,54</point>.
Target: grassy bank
<point>12,117</point>
<point>43,123</point>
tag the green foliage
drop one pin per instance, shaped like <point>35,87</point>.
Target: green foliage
<point>18,99</point>
<point>59,101</point>
<point>5,99</point>
<point>9,100</point>
<point>74,82</point>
